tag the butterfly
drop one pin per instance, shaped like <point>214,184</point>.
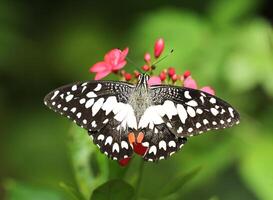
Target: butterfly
<point>118,115</point>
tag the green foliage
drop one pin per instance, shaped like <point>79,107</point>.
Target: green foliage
<point>114,190</point>
<point>21,191</point>
<point>90,167</point>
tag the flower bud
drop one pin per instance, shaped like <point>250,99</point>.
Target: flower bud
<point>145,67</point>
<point>186,74</point>
<point>171,71</point>
<point>159,47</point>
<point>147,58</point>
<point>127,76</point>
<point>136,73</point>
<point>174,77</point>
<point>162,76</point>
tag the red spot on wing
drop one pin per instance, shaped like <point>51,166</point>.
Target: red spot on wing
<point>123,162</point>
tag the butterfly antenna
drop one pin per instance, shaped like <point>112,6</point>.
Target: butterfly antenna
<point>157,61</point>
<point>133,63</point>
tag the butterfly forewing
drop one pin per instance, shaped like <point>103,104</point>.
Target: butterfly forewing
<point>188,112</point>
<point>101,108</point>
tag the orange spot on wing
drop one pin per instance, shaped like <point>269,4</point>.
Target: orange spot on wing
<point>131,138</point>
<point>140,137</point>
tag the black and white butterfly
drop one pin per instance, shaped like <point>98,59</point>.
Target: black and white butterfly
<point>166,115</point>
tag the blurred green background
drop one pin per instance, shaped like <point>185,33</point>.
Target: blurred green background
<point>46,44</point>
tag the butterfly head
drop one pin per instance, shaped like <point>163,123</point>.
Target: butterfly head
<point>143,81</point>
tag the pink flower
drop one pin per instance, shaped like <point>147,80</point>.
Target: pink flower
<point>159,47</point>
<point>189,82</point>
<point>208,89</point>
<point>114,60</point>
<point>154,80</point>
<point>147,57</point>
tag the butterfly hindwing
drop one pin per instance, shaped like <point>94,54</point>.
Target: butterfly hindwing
<point>161,143</point>
<point>188,112</point>
<point>112,141</point>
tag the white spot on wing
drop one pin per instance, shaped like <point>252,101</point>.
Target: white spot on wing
<point>79,114</point>
<point>101,137</point>
<point>115,147</point>
<point>97,105</point>
<point>187,94</point>
<point>82,101</point>
<point>212,100</point>
<point>109,104</point>
<point>74,87</point>
<point>89,103</point>
<point>199,111</point>
<point>162,145</point>
<point>192,103</point>
<point>109,140</point>
<point>214,111</point>
<point>105,121</point>
<point>198,125</point>
<point>124,145</point>
<point>179,130</point>
<point>55,94</point>
<point>231,112</point>
<point>191,111</point>
<point>169,108</point>
<point>98,87</point>
<point>182,113</point>
<point>172,143</point>
<point>152,150</point>
<point>69,97</point>
<point>91,95</point>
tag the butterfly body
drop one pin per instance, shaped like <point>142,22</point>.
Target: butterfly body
<point>164,115</point>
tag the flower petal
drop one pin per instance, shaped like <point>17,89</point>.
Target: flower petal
<point>154,80</point>
<point>208,89</point>
<point>98,67</point>
<point>102,74</point>
<point>112,57</point>
<point>119,65</point>
<point>124,54</point>
<point>189,82</point>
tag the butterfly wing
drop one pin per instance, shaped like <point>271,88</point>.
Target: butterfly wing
<point>178,113</point>
<point>101,108</point>
<point>188,112</point>
<point>161,143</point>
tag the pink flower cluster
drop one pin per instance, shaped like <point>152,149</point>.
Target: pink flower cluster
<point>115,60</point>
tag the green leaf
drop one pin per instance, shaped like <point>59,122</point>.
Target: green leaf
<point>22,191</point>
<point>90,166</point>
<point>257,164</point>
<point>176,185</point>
<point>112,190</point>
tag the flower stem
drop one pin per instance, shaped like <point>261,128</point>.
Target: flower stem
<point>139,180</point>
